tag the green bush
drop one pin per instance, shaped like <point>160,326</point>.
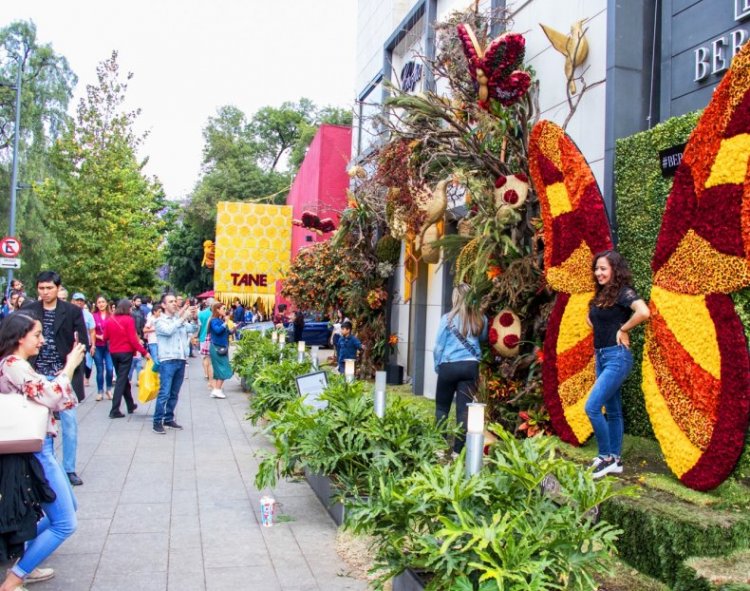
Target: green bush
<point>660,532</point>
<point>275,386</point>
<point>348,442</point>
<point>255,351</point>
<point>497,530</point>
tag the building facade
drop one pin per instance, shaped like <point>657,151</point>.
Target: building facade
<point>648,60</point>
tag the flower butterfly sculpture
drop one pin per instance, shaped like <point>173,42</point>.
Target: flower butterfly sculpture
<point>496,69</point>
<point>696,365</point>
<point>575,228</point>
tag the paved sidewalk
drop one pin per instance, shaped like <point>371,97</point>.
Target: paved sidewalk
<point>180,512</point>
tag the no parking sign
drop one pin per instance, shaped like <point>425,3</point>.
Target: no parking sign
<point>10,247</point>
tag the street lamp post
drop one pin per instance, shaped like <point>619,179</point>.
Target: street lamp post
<point>14,172</point>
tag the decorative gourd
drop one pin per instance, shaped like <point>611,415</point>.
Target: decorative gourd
<point>430,252</point>
<point>511,191</point>
<point>505,333</point>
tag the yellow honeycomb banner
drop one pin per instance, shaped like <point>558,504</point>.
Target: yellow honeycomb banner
<point>253,248</point>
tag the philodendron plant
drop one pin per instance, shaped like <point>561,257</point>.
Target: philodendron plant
<point>498,530</point>
<point>347,442</point>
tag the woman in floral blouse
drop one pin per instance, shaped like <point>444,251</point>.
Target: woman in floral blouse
<point>21,338</point>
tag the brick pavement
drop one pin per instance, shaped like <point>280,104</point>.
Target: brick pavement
<point>180,512</point>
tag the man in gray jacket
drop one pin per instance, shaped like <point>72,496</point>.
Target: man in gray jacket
<point>173,329</point>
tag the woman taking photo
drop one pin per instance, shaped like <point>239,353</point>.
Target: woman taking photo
<point>218,333</point>
<point>457,354</point>
<point>102,358</point>
<point>21,338</point>
<point>614,311</point>
<point>123,342</point>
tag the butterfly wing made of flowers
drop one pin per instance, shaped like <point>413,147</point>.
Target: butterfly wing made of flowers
<point>696,367</point>
<point>575,227</point>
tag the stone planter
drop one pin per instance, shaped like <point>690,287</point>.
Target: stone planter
<point>407,581</point>
<point>325,491</point>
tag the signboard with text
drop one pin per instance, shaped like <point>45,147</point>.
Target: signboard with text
<point>253,248</point>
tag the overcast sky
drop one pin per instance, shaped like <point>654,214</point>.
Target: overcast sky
<point>190,57</point>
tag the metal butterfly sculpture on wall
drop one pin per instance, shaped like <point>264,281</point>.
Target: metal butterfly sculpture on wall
<point>696,365</point>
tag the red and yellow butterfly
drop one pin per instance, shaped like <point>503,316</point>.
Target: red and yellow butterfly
<point>696,365</point>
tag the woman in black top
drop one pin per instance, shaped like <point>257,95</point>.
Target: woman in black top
<point>614,311</point>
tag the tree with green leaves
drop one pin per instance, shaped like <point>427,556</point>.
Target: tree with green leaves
<point>47,84</point>
<point>106,215</point>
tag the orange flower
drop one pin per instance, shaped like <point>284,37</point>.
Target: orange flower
<point>393,340</point>
<point>494,271</point>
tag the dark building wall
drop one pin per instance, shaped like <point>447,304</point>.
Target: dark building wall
<point>699,38</point>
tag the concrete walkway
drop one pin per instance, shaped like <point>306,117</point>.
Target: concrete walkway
<point>180,512</point>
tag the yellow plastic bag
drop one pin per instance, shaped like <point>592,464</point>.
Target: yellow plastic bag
<point>148,383</point>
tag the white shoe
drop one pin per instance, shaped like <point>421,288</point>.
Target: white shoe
<point>217,394</point>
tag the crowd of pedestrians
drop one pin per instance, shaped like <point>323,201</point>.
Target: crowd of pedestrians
<point>49,348</point>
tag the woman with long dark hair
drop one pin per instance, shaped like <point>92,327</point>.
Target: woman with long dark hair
<point>219,348</point>
<point>457,354</point>
<point>21,338</point>
<point>123,341</point>
<point>102,358</point>
<point>614,311</point>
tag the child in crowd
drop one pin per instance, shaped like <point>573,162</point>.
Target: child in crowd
<point>347,345</point>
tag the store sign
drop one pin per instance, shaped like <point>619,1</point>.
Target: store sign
<point>411,74</point>
<point>240,279</point>
<point>716,56</point>
<point>670,159</point>
<point>741,9</point>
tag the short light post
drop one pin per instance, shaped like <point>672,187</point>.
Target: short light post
<point>349,370</point>
<point>282,341</point>
<point>379,397</point>
<point>274,337</point>
<point>300,351</point>
<point>314,356</point>
<point>474,438</point>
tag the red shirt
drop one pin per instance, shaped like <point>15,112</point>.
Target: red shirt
<point>119,331</point>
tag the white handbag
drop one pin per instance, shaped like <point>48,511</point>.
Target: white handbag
<point>23,424</point>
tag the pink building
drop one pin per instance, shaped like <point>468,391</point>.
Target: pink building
<point>320,184</point>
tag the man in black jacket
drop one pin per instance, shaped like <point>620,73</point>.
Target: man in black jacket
<point>62,327</point>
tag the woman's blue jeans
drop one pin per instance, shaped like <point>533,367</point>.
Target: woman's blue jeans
<point>59,521</point>
<point>613,364</point>
<point>103,359</point>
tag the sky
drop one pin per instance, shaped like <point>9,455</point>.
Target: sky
<point>190,57</point>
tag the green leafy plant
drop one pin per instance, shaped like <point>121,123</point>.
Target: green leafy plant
<point>349,443</point>
<point>274,387</point>
<point>499,529</point>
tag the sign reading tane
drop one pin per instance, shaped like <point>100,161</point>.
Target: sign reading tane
<point>252,252</point>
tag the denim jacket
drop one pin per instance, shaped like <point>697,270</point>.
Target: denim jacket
<point>172,337</point>
<point>448,348</point>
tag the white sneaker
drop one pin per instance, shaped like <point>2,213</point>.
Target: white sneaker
<point>38,575</point>
<point>217,394</point>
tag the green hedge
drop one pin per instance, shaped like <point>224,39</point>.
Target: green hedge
<point>641,193</point>
<point>660,533</point>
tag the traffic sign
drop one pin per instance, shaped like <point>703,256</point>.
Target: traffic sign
<point>10,247</point>
<point>6,263</point>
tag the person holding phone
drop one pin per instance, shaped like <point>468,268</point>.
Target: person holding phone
<point>21,340</point>
<point>63,327</point>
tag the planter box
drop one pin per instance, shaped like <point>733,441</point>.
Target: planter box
<point>394,375</point>
<point>407,581</point>
<point>324,490</point>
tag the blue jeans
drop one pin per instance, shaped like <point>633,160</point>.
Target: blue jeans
<point>135,367</point>
<point>103,359</point>
<point>171,374</point>
<point>59,521</point>
<point>613,364</point>
<point>153,350</point>
<point>69,424</point>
